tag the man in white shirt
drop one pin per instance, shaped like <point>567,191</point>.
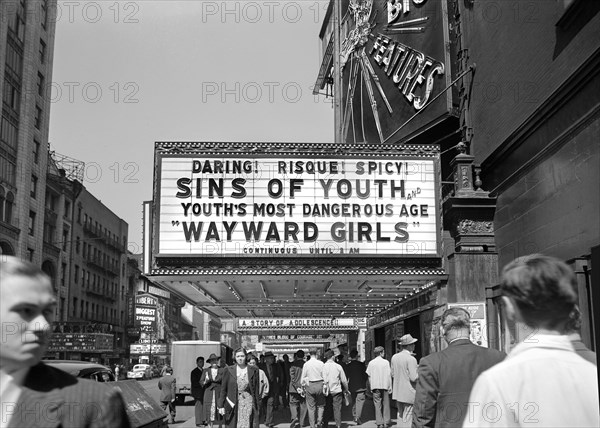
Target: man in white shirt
<point>31,393</point>
<point>380,379</point>
<point>542,382</point>
<point>404,377</point>
<point>335,385</point>
<point>312,380</point>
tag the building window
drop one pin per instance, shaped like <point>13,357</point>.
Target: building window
<point>42,52</point>
<point>74,307</point>
<point>40,84</point>
<point>49,230</point>
<point>12,94</point>
<point>79,214</point>
<point>7,168</point>
<point>77,245</point>
<point>36,151</point>
<point>44,13</point>
<point>65,239</point>
<point>34,181</point>
<point>63,274</point>
<point>30,252</point>
<point>31,223</point>
<point>38,117</point>
<point>76,275</point>
<point>2,199</point>
<point>51,199</point>
<point>19,22</point>
<point>9,129</point>
<point>8,207</point>
<point>67,209</point>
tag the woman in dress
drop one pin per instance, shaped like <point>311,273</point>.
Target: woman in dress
<point>211,381</point>
<point>239,397</point>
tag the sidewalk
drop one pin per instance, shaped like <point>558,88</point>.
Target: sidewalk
<point>282,418</point>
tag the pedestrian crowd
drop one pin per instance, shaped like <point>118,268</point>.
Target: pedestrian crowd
<point>547,380</point>
<point>550,379</point>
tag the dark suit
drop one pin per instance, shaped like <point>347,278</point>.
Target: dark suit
<point>198,394</point>
<point>212,389</point>
<point>445,382</point>
<point>53,398</point>
<point>298,408</point>
<point>274,375</point>
<point>356,372</point>
<point>167,388</point>
<point>229,390</point>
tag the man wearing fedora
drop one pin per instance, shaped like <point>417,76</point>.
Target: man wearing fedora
<point>404,378</point>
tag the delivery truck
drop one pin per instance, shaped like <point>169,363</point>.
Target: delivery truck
<point>183,361</point>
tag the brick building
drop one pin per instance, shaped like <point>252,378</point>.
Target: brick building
<point>32,225</point>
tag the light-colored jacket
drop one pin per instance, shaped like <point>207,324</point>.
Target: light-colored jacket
<point>263,384</point>
<point>542,383</point>
<point>334,377</point>
<point>404,375</point>
<point>167,387</point>
<point>380,374</point>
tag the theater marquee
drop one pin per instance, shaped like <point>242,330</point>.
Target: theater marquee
<point>297,205</point>
<point>297,323</point>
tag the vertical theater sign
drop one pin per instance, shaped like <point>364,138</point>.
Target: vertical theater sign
<point>393,60</point>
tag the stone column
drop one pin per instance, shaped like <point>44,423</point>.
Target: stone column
<point>472,260</point>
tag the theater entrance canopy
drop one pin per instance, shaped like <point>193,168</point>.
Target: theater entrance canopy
<point>267,231</point>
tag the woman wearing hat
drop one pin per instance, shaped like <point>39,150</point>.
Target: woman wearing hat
<point>211,381</point>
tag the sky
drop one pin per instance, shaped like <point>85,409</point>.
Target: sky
<point>129,73</point>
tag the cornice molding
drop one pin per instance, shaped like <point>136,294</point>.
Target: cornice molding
<point>166,148</point>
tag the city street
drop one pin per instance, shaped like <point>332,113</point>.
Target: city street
<point>185,413</point>
<point>392,199</point>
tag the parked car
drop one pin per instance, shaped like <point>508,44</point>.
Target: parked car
<point>83,369</point>
<point>140,371</point>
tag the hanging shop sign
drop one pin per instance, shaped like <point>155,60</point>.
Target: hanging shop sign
<point>297,323</point>
<point>404,309</point>
<point>137,348</point>
<point>478,313</point>
<point>146,312</point>
<point>394,61</point>
<point>145,300</point>
<point>144,287</point>
<point>159,292</point>
<point>298,206</point>
<point>86,342</point>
